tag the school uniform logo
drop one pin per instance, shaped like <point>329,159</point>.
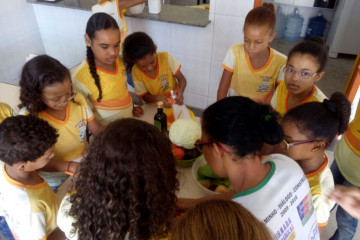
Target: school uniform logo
<point>81,126</point>
<point>164,83</point>
<point>265,86</point>
<point>305,209</point>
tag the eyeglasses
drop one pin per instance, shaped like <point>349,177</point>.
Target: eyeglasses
<point>61,103</point>
<point>199,145</point>
<point>302,74</point>
<point>288,145</point>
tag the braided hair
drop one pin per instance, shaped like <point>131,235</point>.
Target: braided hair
<point>96,22</point>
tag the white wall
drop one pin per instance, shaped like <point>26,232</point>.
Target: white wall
<point>19,36</point>
<point>199,50</point>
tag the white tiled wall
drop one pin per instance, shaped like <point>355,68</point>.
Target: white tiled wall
<point>62,31</point>
<point>19,36</point>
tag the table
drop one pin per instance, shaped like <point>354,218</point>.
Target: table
<point>188,188</point>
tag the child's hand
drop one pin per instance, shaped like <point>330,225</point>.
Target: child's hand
<point>165,101</point>
<point>348,198</point>
<point>138,111</point>
<point>179,97</point>
<point>72,168</point>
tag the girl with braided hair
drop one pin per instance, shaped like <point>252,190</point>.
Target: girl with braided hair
<point>309,129</point>
<point>101,77</point>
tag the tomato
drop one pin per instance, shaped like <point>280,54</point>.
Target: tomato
<point>178,153</point>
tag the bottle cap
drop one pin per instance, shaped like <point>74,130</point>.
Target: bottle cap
<point>160,104</point>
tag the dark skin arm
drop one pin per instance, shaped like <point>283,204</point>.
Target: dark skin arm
<point>184,204</point>
<point>224,84</point>
<point>57,234</point>
<point>180,92</point>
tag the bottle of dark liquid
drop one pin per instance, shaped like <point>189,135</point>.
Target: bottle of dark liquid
<point>160,118</point>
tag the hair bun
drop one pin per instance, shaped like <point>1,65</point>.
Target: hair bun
<point>269,6</point>
<point>330,105</point>
<point>317,40</point>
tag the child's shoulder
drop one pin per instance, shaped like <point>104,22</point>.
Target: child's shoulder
<point>278,54</point>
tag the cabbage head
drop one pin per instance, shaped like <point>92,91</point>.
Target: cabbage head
<point>184,133</point>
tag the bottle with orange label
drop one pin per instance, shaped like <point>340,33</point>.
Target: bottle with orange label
<point>160,118</point>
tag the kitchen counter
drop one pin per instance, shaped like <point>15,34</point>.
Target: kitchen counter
<point>169,13</point>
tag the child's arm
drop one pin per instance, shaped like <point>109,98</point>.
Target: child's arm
<point>348,198</point>
<point>57,234</point>
<point>184,204</point>
<point>61,166</point>
<point>181,84</point>
<point>94,127</point>
<point>128,3</point>
<point>224,84</point>
<point>156,98</point>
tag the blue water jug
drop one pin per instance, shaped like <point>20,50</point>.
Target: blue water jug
<point>316,26</point>
<point>280,23</point>
<point>293,27</point>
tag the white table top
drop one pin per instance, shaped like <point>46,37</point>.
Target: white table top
<point>188,187</point>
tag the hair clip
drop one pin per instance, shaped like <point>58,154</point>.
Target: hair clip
<point>267,117</point>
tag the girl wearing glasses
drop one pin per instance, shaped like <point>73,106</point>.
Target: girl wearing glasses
<point>304,67</point>
<point>46,92</point>
<point>309,129</point>
<point>101,77</point>
<point>274,189</point>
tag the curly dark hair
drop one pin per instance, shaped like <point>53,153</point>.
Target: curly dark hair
<point>242,124</point>
<point>37,73</point>
<point>97,22</point>
<point>322,120</point>
<point>25,138</point>
<point>126,182</point>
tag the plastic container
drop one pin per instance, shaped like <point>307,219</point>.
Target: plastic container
<point>293,27</point>
<point>280,23</point>
<point>155,6</point>
<point>137,9</point>
<point>316,26</point>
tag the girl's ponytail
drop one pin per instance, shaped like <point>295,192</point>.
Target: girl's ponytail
<point>341,108</point>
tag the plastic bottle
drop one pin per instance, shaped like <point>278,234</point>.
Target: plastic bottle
<point>179,111</point>
<point>316,26</point>
<point>293,27</point>
<point>280,23</point>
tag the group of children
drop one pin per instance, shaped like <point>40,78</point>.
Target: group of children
<point>114,193</point>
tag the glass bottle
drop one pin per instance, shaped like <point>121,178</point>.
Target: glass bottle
<point>160,118</point>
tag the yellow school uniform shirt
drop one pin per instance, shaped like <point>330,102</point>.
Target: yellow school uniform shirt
<point>347,153</point>
<point>71,143</point>
<point>321,184</point>
<point>164,80</point>
<point>5,111</point>
<point>116,100</point>
<point>29,210</point>
<point>256,84</point>
<point>280,99</point>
